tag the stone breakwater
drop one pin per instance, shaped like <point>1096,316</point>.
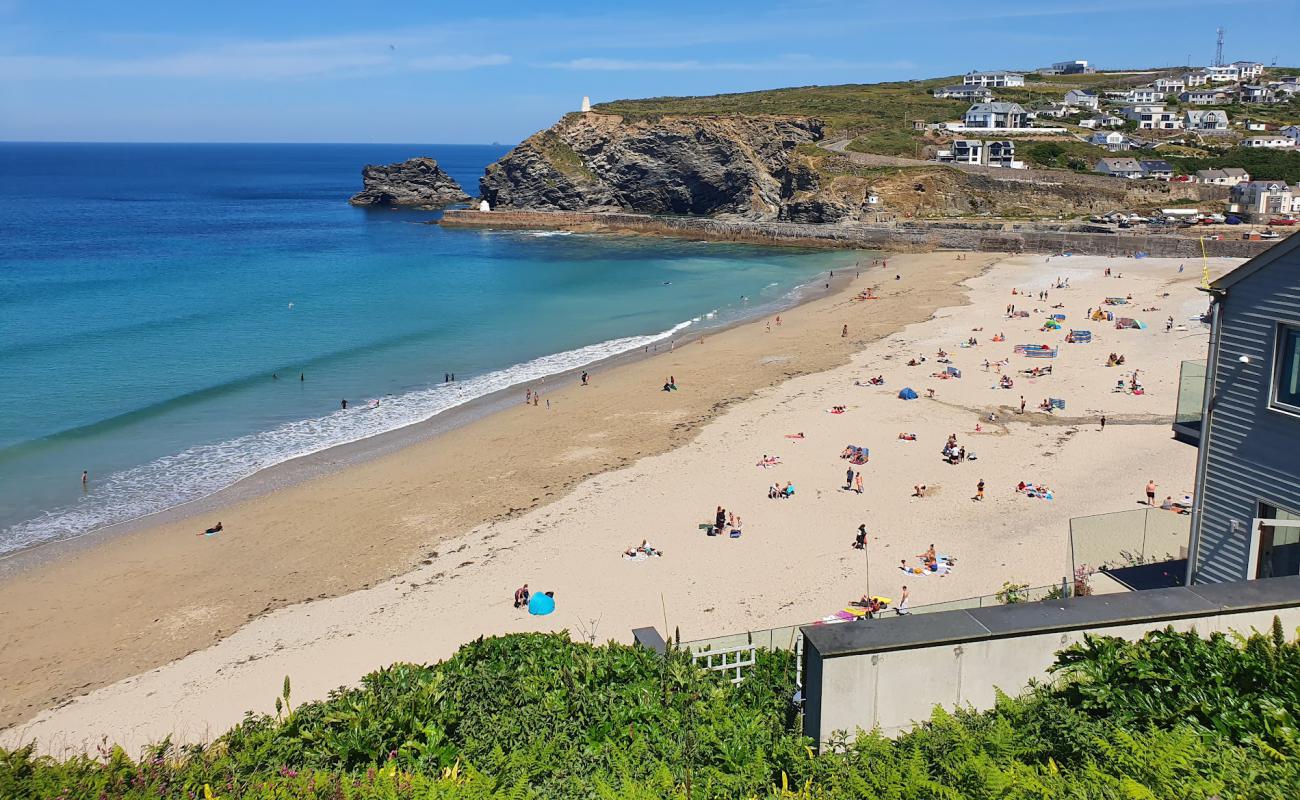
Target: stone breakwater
<point>899,239</point>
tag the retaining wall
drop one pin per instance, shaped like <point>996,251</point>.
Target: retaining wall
<point>870,237</point>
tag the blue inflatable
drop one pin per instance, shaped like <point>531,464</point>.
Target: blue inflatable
<point>540,604</point>
<point>907,393</point>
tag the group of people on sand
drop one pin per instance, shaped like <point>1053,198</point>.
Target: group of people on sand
<point>855,454</point>
<point>643,549</point>
<point>954,454</point>
<point>778,492</point>
<point>670,385</point>
<point>1115,360</point>
<point>723,521</point>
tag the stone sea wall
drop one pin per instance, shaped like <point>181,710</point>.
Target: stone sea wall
<point>911,238</point>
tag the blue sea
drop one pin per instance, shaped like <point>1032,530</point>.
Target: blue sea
<point>175,318</point>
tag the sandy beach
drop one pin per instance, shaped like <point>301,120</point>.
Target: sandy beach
<point>553,497</point>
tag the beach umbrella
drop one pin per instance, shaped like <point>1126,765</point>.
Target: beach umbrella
<point>541,604</point>
<point>907,393</point>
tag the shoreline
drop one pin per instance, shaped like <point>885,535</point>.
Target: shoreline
<point>674,457</point>
<point>315,464</point>
<point>150,542</point>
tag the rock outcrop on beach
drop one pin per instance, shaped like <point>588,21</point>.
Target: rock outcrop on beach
<point>418,182</point>
<point>702,165</point>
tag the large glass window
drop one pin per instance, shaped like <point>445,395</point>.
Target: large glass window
<point>1286,389</point>
<point>1279,545</point>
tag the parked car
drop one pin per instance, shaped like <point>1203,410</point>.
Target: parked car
<point>1233,220</point>
<point>1281,221</point>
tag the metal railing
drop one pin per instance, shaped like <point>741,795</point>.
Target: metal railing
<point>1127,538</point>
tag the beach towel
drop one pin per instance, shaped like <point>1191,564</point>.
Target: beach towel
<point>907,393</point>
<point>1081,337</point>
<point>735,534</point>
<point>1056,402</point>
<point>953,371</point>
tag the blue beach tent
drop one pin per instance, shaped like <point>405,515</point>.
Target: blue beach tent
<point>907,393</point>
<point>541,604</point>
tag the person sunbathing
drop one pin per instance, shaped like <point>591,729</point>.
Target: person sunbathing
<point>214,529</point>
<point>907,437</point>
<point>918,490</point>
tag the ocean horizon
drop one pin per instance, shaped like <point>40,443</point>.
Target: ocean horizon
<point>180,317</point>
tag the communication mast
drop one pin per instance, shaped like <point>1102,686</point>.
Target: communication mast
<point>1218,50</point>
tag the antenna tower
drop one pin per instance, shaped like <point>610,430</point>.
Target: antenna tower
<point>1218,50</point>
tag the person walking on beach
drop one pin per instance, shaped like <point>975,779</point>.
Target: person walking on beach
<point>85,479</point>
<point>860,541</point>
<point>584,378</point>
<point>848,479</point>
<point>903,596</point>
<point>1022,404</point>
<point>857,483</point>
<point>1103,423</point>
<point>979,490</point>
<point>1151,493</point>
<point>344,403</point>
<point>845,332</point>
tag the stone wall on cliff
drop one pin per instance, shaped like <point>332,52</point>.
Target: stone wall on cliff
<point>712,165</point>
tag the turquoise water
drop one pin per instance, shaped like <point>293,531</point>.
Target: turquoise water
<point>150,295</point>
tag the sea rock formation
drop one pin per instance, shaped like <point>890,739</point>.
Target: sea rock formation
<point>716,165</point>
<point>418,182</point>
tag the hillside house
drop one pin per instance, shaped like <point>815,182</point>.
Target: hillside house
<point>1196,79</point>
<point>1081,98</point>
<point>1076,67</point>
<point>1282,91</point>
<point>1246,476</point>
<point>1203,97</point>
<point>1113,141</point>
<point>993,80</point>
<point>1118,167</point>
<point>1224,74</point>
<point>1170,86</point>
<point>1264,198</point>
<point>1146,94</point>
<point>996,115</point>
<point>1157,169</point>
<point>1248,70</point>
<point>1291,132</point>
<point>964,92</point>
<point>1101,121</point>
<point>1205,121</point>
<point>1252,93</point>
<point>973,151</point>
<point>1152,117</point>
<point>1270,141</point>
<point>1228,176</point>
<point>1052,111</point>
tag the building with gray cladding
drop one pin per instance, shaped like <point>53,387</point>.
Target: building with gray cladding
<point>1248,466</point>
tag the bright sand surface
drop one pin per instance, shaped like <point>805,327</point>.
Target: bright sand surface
<point>140,600</point>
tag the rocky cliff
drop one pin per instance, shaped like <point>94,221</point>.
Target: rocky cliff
<point>419,182</point>
<point>716,165</point>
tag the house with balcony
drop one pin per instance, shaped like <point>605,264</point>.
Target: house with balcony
<point>1248,70</point>
<point>1264,198</point>
<point>1196,79</point>
<point>1224,74</point>
<point>1147,94</point>
<point>1203,97</point>
<point>964,92</point>
<point>1076,67</point>
<point>1119,167</point>
<point>1152,117</point>
<point>1228,176</point>
<point>993,80</point>
<point>1113,141</point>
<point>1101,121</point>
<point>1205,121</point>
<point>1252,93</point>
<point>996,115</point>
<point>1245,521</point>
<point>974,151</point>
<point>1168,86</point>
<point>1269,141</point>
<point>1081,98</point>
<point>1052,111</point>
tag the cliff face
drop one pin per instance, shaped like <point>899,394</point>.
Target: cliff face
<point>418,182</point>
<point>674,165</point>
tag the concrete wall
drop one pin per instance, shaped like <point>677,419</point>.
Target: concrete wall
<point>895,239</point>
<point>894,678</point>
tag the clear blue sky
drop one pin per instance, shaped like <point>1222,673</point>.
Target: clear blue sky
<point>437,71</point>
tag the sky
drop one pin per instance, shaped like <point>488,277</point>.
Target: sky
<point>431,71</point>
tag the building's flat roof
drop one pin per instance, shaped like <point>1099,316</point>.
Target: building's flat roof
<point>1047,616</point>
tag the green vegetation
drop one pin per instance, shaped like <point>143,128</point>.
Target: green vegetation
<point>1261,163</point>
<point>563,157</point>
<point>1063,154</point>
<point>537,716</point>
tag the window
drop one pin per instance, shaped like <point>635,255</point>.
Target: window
<point>1279,546</point>
<point>1286,381</point>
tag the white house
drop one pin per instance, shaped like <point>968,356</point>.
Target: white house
<point>1205,120</point>
<point>1113,141</point>
<point>1228,176</point>
<point>996,115</point>
<point>1119,167</point>
<point>1101,121</point>
<point>1268,140</point>
<point>1203,97</point>
<point>964,92</point>
<point>1196,79</point>
<point>993,80</point>
<point>1248,70</point>
<point>1152,117</point>
<point>1264,197</point>
<point>1054,111</point>
<point>1146,94</point>
<point>1169,85</point>
<point>1076,67</point>
<point>1251,93</point>
<point>1080,98</point>
<point>1224,74</point>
